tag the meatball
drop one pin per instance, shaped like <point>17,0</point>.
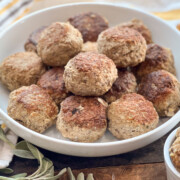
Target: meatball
<point>125,46</point>
<point>157,58</point>
<point>32,107</point>
<point>139,26</point>
<point>58,43</point>
<point>89,24</point>
<point>89,46</point>
<point>163,90</point>
<point>89,74</point>
<point>52,82</point>
<point>33,39</point>
<point>21,69</point>
<point>125,83</point>
<point>82,119</point>
<point>131,115</point>
<point>174,151</point>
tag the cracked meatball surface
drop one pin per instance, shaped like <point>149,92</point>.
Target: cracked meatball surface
<point>157,58</point>
<point>32,107</point>
<point>52,82</point>
<point>131,115</point>
<point>82,119</point>
<point>139,26</point>
<point>21,69</point>
<point>163,90</point>
<point>89,74</point>
<point>125,46</point>
<point>58,43</point>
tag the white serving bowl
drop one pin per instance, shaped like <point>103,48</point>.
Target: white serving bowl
<point>172,173</point>
<point>12,40</point>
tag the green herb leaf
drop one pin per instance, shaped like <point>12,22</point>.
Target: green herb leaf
<point>6,178</point>
<point>19,175</point>
<point>6,171</point>
<point>23,154</point>
<point>80,176</point>
<point>70,174</point>
<point>5,139</point>
<point>36,153</point>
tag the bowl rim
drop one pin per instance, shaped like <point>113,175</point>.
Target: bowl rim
<point>170,139</point>
<point>80,144</point>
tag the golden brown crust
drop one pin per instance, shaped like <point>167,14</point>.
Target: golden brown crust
<point>84,112</point>
<point>32,107</point>
<point>163,89</point>
<point>140,110</point>
<point>58,43</point>
<point>118,33</point>
<point>125,46</point>
<point>88,61</point>
<point>157,58</point>
<point>131,115</point>
<point>138,25</point>
<point>89,24</point>
<point>21,69</point>
<point>125,83</point>
<point>52,82</point>
<point>89,74</point>
<point>34,97</point>
<point>155,85</point>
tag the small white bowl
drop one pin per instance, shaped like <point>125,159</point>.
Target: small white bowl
<point>172,173</point>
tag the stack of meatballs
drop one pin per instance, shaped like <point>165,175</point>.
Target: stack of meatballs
<point>86,77</point>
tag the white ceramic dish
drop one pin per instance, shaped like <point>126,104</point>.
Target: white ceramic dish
<point>12,40</point>
<point>172,173</point>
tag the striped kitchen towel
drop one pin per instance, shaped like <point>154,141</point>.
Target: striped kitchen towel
<point>12,10</point>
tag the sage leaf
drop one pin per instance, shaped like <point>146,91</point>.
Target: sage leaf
<point>23,154</point>
<point>22,145</point>
<point>36,153</point>
<point>5,139</point>
<point>46,166</point>
<point>19,175</point>
<point>61,173</point>
<point>80,176</point>
<point>6,171</point>
<point>6,178</point>
<point>70,174</point>
<point>90,177</point>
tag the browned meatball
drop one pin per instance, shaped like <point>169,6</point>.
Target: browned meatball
<point>125,83</point>
<point>89,74</point>
<point>32,107</point>
<point>33,39</point>
<point>125,46</point>
<point>157,57</point>
<point>82,119</point>
<point>131,115</point>
<point>52,82</point>
<point>139,26</point>
<point>89,24</point>
<point>21,69</point>
<point>163,90</point>
<point>58,43</point>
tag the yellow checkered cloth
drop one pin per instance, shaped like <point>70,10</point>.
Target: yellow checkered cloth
<point>13,10</point>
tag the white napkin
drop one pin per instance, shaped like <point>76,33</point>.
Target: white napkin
<point>6,152</point>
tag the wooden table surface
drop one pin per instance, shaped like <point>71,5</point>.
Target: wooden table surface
<point>143,164</point>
